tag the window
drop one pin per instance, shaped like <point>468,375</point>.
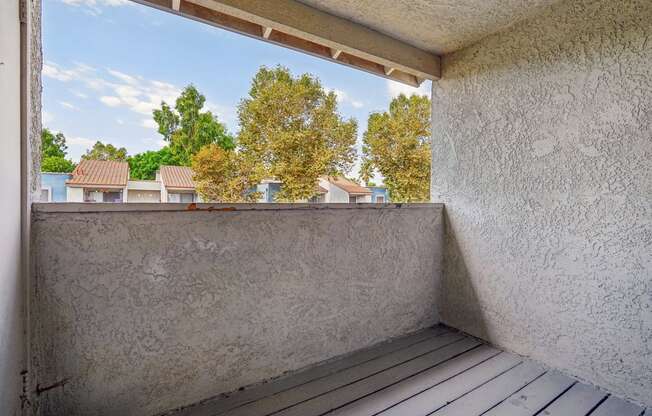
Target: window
<point>318,199</point>
<point>93,196</point>
<point>353,199</point>
<point>380,199</point>
<point>181,197</point>
<point>112,197</point>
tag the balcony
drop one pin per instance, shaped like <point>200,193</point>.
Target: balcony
<point>185,310</point>
<point>525,290</point>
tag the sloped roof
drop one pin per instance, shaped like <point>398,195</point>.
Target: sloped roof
<point>320,190</point>
<point>100,173</point>
<point>348,185</point>
<point>177,177</point>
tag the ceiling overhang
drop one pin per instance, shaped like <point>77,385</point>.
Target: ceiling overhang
<point>297,26</point>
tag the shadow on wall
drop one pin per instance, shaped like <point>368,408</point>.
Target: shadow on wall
<point>458,301</point>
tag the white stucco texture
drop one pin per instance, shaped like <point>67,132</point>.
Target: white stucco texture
<point>138,311</point>
<point>542,154</point>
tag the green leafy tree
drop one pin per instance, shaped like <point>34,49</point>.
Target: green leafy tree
<point>397,144</point>
<point>56,164</point>
<point>101,151</point>
<point>291,127</point>
<point>224,175</point>
<point>53,153</point>
<point>187,128</point>
<point>144,165</point>
<point>53,144</point>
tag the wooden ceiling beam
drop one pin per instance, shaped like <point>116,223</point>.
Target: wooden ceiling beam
<point>294,25</point>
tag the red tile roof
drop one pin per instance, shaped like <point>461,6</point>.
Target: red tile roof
<point>348,185</point>
<point>179,177</point>
<point>100,173</point>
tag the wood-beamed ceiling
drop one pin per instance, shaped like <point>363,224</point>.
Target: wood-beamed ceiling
<point>294,25</point>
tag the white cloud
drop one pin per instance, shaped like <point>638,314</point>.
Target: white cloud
<point>395,88</point>
<point>79,94</point>
<point>68,105</point>
<point>225,114</point>
<point>136,93</point>
<point>47,117</point>
<point>78,72</point>
<point>133,92</point>
<point>149,123</point>
<point>344,98</point>
<point>119,121</point>
<point>123,77</point>
<point>110,100</point>
<point>155,142</point>
<point>80,141</point>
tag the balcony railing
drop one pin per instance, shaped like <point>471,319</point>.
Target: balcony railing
<point>141,308</point>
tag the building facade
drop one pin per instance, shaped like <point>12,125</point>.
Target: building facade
<point>342,190</point>
<point>108,181</point>
<point>379,194</point>
<point>53,186</point>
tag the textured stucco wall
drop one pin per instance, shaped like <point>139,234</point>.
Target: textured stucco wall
<point>11,288</point>
<point>34,62</point>
<point>146,311</point>
<point>542,153</point>
<point>438,26</point>
<point>20,92</point>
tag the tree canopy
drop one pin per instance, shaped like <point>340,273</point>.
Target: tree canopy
<point>187,128</point>
<point>291,128</point>
<point>102,151</point>
<point>144,165</point>
<point>225,175</point>
<point>53,153</point>
<point>397,144</point>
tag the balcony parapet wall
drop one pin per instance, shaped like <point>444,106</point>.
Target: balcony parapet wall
<point>141,308</point>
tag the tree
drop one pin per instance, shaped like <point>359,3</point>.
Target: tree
<point>101,151</point>
<point>144,165</point>
<point>56,164</point>
<point>53,153</point>
<point>187,129</point>
<point>224,175</point>
<point>397,144</point>
<point>53,144</point>
<point>291,128</point>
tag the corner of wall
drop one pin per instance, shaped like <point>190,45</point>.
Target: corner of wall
<point>31,89</point>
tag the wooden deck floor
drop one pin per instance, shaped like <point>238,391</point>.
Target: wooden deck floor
<point>435,372</point>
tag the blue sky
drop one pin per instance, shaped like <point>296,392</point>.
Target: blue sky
<point>108,63</point>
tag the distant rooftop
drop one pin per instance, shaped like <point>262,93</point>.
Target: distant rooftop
<point>348,185</point>
<point>179,177</point>
<point>100,173</point>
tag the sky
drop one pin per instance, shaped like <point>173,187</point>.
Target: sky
<point>109,63</point>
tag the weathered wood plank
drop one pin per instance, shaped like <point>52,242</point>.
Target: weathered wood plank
<point>222,404</point>
<point>488,395</point>
<point>312,30</point>
<point>533,397</point>
<point>323,385</point>
<point>614,406</point>
<point>392,395</point>
<point>299,20</point>
<point>339,397</point>
<point>578,400</point>
<point>439,396</point>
